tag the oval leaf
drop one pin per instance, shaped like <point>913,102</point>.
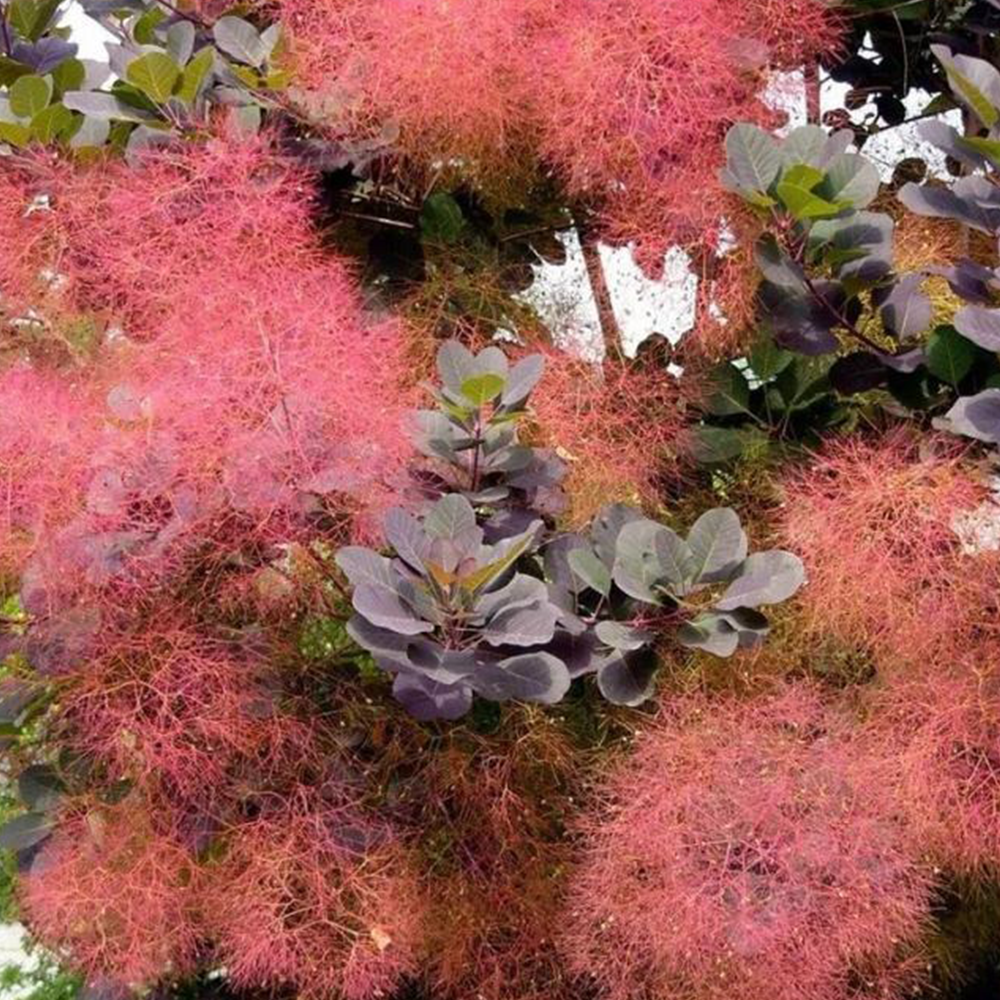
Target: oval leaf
<point>949,355</point>
<point>712,633</point>
<point>536,677</point>
<point>981,326</point>
<point>977,416</point>
<point>522,379</point>
<point>40,788</point>
<point>753,157</point>
<point>623,637</point>
<point>718,545</point>
<point>426,700</point>
<point>155,74</point>
<point>590,570</point>
<point>766,578</point>
<point>241,40</point>
<point>25,831</point>
<point>29,95</point>
<point>627,678</point>
<point>480,389</point>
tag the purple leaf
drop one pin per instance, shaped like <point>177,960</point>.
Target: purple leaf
<point>533,625</point>
<point>25,831</point>
<point>426,700</point>
<point>44,55</point>
<point>977,416</point>
<point>627,678</point>
<point>536,677</point>
<point>981,326</point>
<point>907,311</point>
<point>766,578</point>
<point>387,610</point>
<point>711,633</point>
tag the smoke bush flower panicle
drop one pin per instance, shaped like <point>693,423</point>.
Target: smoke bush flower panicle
<point>872,520</point>
<point>116,893</point>
<point>943,725</point>
<point>171,710</point>
<point>628,101</point>
<point>45,434</point>
<point>747,851</point>
<point>618,426</point>
<point>638,96</point>
<point>445,72</point>
<point>312,896</point>
<point>24,231</point>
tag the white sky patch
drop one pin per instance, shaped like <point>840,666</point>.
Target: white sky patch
<point>642,306</point>
<point>87,33</point>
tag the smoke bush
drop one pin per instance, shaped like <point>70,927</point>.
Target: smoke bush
<point>259,392</point>
<point>310,896</point>
<point>746,851</point>
<point>44,437</point>
<point>628,101</point>
<point>617,427</point>
<point>943,728</point>
<point>447,74</point>
<point>495,885</point>
<point>116,894</point>
<point>872,520</point>
<point>167,708</point>
<point>23,234</point>
<point>640,93</point>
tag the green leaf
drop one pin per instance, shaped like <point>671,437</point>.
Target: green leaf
<point>732,392</point>
<point>480,389</point>
<point>32,17</point>
<point>949,355</point>
<point>974,81</point>
<point>852,179</point>
<point>803,176</point>
<point>441,219</point>
<point>15,134</point>
<point>714,445</point>
<point>194,76</point>
<point>767,359</point>
<point>144,31</point>
<point>155,74</point>
<point>590,570</point>
<point>990,148</point>
<point>250,78</point>
<point>68,75</point>
<point>29,94</point>
<point>51,122</point>
<point>10,70</point>
<point>795,189</point>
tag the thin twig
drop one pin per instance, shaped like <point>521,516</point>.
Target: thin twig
<point>397,223</point>
<point>610,332</point>
<point>5,27</point>
<point>193,18</point>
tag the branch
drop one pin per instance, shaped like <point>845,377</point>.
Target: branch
<point>5,27</point>
<point>610,332</point>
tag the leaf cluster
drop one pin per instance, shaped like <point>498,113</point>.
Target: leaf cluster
<point>163,74</point>
<point>496,603</point>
